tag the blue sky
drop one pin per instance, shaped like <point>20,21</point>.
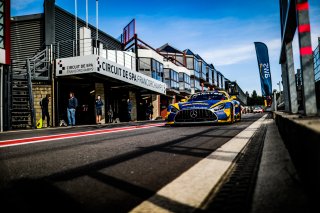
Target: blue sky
<point>222,32</point>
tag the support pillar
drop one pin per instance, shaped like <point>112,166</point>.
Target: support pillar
<point>306,58</point>
<point>285,87</point>
<point>156,106</point>
<point>133,99</point>
<point>291,79</point>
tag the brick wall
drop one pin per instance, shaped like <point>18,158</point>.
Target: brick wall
<point>156,106</point>
<point>39,92</point>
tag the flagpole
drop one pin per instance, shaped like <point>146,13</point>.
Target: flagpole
<point>97,27</point>
<point>76,23</point>
<point>87,13</point>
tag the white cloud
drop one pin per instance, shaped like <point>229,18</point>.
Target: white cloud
<point>231,55</point>
<point>237,54</point>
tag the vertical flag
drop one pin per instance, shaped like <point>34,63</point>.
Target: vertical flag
<point>264,68</point>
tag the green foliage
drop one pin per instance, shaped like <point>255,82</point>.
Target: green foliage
<point>255,99</point>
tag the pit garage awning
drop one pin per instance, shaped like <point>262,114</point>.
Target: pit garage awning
<point>98,65</point>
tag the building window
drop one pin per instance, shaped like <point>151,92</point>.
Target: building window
<point>172,79</point>
<point>184,82</point>
<point>196,65</point>
<point>209,74</point>
<point>157,68</point>
<point>144,64</point>
<point>179,58</point>
<point>190,63</point>
<point>203,70</point>
<point>215,78</point>
<point>197,87</point>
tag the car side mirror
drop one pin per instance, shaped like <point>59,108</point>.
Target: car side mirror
<point>183,100</point>
<point>233,97</point>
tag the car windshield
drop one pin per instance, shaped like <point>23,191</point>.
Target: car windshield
<point>208,96</point>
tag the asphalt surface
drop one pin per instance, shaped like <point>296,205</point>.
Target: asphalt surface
<point>103,173</point>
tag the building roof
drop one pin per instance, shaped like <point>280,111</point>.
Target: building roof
<point>168,48</point>
<point>211,65</point>
<point>199,57</point>
<point>27,17</point>
<point>189,52</point>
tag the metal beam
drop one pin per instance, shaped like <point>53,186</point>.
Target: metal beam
<point>288,27</point>
<point>49,18</point>
<point>292,88</point>
<point>286,96</point>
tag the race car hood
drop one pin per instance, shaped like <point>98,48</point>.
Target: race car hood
<point>198,104</point>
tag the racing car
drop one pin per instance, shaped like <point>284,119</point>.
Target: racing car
<point>207,107</point>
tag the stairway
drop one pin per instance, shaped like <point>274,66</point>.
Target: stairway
<point>23,73</point>
<point>21,91</point>
<point>39,65</point>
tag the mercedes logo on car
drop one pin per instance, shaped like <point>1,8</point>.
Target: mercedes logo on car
<point>193,113</point>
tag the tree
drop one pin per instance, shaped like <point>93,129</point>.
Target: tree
<point>255,99</point>
<point>254,94</point>
<point>247,94</point>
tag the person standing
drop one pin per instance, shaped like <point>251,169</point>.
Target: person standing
<point>150,111</point>
<point>129,105</point>
<point>110,114</point>
<point>99,105</point>
<point>45,109</point>
<point>72,105</point>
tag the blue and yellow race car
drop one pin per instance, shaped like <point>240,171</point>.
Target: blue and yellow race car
<point>207,107</point>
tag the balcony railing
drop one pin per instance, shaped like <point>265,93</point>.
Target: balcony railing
<point>81,47</point>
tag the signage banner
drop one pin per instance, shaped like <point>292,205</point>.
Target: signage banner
<point>264,68</point>
<point>97,64</point>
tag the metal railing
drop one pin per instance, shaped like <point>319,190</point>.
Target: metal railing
<point>40,64</point>
<point>82,47</point>
<point>31,102</point>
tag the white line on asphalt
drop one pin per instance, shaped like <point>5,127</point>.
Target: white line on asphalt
<point>193,186</point>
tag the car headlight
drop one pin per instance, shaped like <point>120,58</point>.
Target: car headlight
<point>218,107</point>
<point>172,109</point>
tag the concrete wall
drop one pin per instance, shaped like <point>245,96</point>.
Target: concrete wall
<point>318,95</point>
<point>302,139</point>
<point>39,92</point>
